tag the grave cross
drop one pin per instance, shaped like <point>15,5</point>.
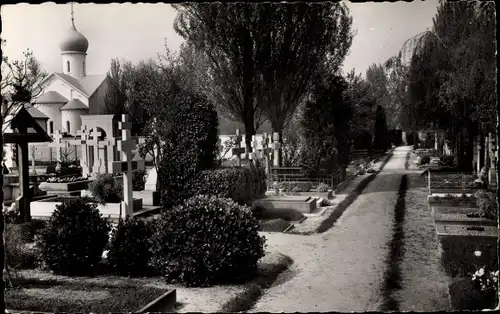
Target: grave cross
<point>95,134</point>
<point>84,137</point>
<point>58,143</point>
<point>253,150</point>
<point>266,150</point>
<point>276,148</point>
<point>126,145</point>
<point>238,150</point>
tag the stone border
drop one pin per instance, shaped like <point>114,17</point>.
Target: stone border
<point>165,302</point>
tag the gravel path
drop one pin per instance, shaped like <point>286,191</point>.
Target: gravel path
<point>342,269</point>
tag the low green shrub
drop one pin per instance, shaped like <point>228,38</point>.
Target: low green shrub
<point>107,189</point>
<point>465,295</point>
<point>206,241</point>
<point>296,186</point>
<point>322,187</point>
<point>241,184</point>
<point>129,247</point>
<point>487,203</point>
<point>447,160</point>
<point>75,238</point>
<point>425,160</point>
<point>18,254</point>
<point>138,180</point>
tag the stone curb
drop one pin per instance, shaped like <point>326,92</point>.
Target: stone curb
<point>255,288</point>
<point>165,302</point>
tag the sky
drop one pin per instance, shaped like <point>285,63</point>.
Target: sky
<point>137,32</point>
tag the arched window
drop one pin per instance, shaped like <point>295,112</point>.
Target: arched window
<point>67,66</point>
<point>67,127</point>
<point>51,127</point>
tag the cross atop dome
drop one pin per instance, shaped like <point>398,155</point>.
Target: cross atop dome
<point>74,41</point>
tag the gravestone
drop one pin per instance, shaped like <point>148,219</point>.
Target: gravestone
<point>151,182</point>
<point>126,145</point>
<point>238,150</point>
<point>85,158</point>
<point>276,149</point>
<point>266,150</point>
<point>58,143</point>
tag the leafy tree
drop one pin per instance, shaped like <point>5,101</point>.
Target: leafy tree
<point>377,80</point>
<point>381,135</point>
<point>326,125</point>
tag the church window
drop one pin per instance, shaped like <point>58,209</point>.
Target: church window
<point>67,127</point>
<point>51,127</point>
<point>68,69</point>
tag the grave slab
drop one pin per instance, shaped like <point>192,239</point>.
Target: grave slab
<point>152,180</point>
<point>443,231</point>
<point>304,205</point>
<point>462,220</point>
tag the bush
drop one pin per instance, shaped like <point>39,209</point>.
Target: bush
<point>206,241</point>
<point>70,169</point>
<point>18,254</point>
<point>425,160</point>
<point>138,180</point>
<point>487,203</point>
<point>464,295</point>
<point>241,184</point>
<point>129,247</point>
<point>296,186</point>
<point>322,187</point>
<point>447,160</point>
<point>188,126</point>
<point>75,238</point>
<point>107,189</point>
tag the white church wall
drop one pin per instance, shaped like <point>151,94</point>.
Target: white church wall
<point>65,90</point>
<point>76,64</point>
<point>53,112</point>
<point>74,119</point>
<point>98,100</point>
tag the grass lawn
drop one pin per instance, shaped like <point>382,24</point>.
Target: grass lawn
<point>42,291</point>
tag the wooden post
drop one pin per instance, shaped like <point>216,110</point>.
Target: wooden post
<point>276,148</point>
<point>237,150</point>
<point>429,182</point>
<point>23,200</point>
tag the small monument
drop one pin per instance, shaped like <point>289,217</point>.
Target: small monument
<point>126,145</point>
<point>276,149</point>
<point>238,150</point>
<point>266,150</point>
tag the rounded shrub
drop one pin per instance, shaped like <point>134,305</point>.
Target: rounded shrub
<point>487,203</point>
<point>75,237</point>
<point>107,189</point>
<point>129,247</point>
<point>205,241</point>
<point>425,160</point>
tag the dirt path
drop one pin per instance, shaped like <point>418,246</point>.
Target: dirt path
<point>342,269</point>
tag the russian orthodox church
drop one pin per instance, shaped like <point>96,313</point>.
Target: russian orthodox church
<point>66,96</point>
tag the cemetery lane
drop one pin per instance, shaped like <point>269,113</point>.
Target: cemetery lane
<point>342,269</point>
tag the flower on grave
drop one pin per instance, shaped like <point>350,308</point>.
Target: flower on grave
<point>477,253</point>
<point>105,254</point>
<point>486,281</point>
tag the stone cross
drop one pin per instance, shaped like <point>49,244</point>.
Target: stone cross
<point>253,149</point>
<point>266,150</point>
<point>98,164</point>
<point>126,145</point>
<point>238,150</point>
<point>276,149</point>
<point>84,161</point>
<point>109,144</point>
<point>58,143</point>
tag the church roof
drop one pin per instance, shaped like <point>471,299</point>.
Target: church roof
<point>51,97</point>
<point>87,85</point>
<point>74,104</point>
<point>35,113</point>
<point>74,41</point>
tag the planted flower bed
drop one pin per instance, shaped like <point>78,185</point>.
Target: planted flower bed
<point>43,209</point>
<point>71,183</point>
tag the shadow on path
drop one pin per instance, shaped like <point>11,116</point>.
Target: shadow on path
<point>392,281</point>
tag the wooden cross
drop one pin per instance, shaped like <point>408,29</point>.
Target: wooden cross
<point>238,150</point>
<point>58,143</point>
<point>84,137</point>
<point>126,145</point>
<point>276,148</point>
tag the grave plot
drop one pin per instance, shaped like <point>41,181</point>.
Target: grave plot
<point>452,183</point>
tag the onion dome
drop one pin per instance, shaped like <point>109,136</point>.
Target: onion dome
<point>74,41</point>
